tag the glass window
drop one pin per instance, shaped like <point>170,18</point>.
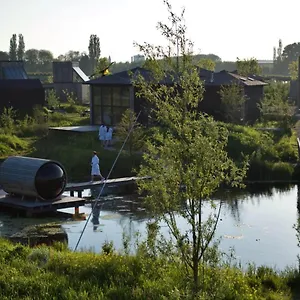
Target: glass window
<point>97,95</point>
<point>97,114</point>
<point>107,115</point>
<point>106,96</point>
<point>116,93</point>
<point>118,112</point>
<point>125,96</point>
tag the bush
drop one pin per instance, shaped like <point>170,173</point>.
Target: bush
<point>11,144</point>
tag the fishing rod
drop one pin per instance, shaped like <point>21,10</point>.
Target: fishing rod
<point>111,169</point>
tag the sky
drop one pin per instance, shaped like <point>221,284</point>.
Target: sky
<point>229,29</point>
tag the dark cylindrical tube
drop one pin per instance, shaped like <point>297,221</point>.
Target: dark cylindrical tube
<point>33,177</point>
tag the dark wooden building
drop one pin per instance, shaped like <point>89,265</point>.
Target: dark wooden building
<point>112,95</point>
<point>17,91</point>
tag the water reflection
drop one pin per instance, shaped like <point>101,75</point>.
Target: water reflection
<point>257,222</point>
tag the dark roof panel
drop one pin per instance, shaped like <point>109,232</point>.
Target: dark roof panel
<point>209,77</point>
<point>20,84</point>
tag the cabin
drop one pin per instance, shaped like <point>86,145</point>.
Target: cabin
<point>17,91</point>
<point>68,78</point>
<point>112,95</point>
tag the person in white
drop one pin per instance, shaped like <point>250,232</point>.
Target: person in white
<point>108,136</point>
<point>95,167</point>
<point>102,132</point>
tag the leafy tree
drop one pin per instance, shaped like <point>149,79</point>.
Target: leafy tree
<point>21,48</point>
<point>52,99</point>
<point>45,60</point>
<point>13,48</point>
<point>94,50</point>
<point>293,69</point>
<point>101,67</point>
<point>207,64</point>
<point>186,159</point>
<point>31,60</point>
<point>275,105</point>
<point>248,67</point>
<point>135,140</point>
<point>232,103</point>
<point>4,55</point>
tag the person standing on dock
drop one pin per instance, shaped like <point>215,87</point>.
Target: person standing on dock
<point>95,167</point>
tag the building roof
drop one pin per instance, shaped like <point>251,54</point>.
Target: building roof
<point>20,84</point>
<point>209,77</point>
<point>12,70</point>
<point>81,74</point>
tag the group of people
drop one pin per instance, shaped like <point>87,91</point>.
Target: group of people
<point>105,135</point>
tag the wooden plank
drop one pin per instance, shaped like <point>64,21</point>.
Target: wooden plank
<point>89,184</point>
<point>39,206</point>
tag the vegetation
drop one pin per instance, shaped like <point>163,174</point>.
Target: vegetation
<point>232,103</point>
<point>31,137</point>
<point>187,162</point>
<point>57,273</point>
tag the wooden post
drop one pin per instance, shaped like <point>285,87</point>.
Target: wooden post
<point>72,193</point>
<point>76,211</point>
<point>79,194</point>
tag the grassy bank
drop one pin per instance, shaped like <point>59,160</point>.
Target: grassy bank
<point>56,273</point>
<point>273,154</point>
<point>30,137</point>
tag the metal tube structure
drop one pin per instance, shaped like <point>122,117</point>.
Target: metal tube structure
<point>33,177</point>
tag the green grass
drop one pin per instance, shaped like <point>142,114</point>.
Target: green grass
<point>272,154</point>
<point>57,273</point>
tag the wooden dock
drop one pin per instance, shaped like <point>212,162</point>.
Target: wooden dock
<point>31,206</point>
<point>81,186</point>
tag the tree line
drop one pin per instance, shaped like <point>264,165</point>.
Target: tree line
<point>92,63</point>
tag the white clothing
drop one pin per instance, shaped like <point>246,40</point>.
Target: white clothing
<point>95,166</point>
<point>108,135</point>
<point>102,131</point>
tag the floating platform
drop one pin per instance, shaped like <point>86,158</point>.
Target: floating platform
<point>32,206</point>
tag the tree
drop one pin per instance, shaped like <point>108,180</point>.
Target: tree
<point>21,48</point>
<point>248,67</point>
<point>13,48</point>
<point>186,157</point>
<point>4,55</point>
<point>232,102</point>
<point>101,67</point>
<point>207,64</point>
<point>45,60</point>
<point>275,105</point>
<point>94,50</point>
<point>136,138</point>
<point>293,69</point>
<point>31,60</point>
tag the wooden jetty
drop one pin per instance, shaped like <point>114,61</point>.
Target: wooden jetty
<point>81,186</point>
<point>33,206</point>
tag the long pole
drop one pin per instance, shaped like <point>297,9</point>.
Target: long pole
<point>111,169</point>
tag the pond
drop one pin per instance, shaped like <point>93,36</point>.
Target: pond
<point>257,223</point>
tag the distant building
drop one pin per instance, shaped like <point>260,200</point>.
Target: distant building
<point>68,77</point>
<point>112,95</point>
<point>17,91</point>
<point>137,58</point>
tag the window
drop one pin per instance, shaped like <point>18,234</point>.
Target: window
<point>107,115</point>
<point>97,95</point>
<point>109,103</point>
<point>118,112</point>
<point>106,96</point>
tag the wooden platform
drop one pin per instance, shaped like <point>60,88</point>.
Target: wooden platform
<point>37,206</point>
<point>80,186</point>
<point>76,128</point>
